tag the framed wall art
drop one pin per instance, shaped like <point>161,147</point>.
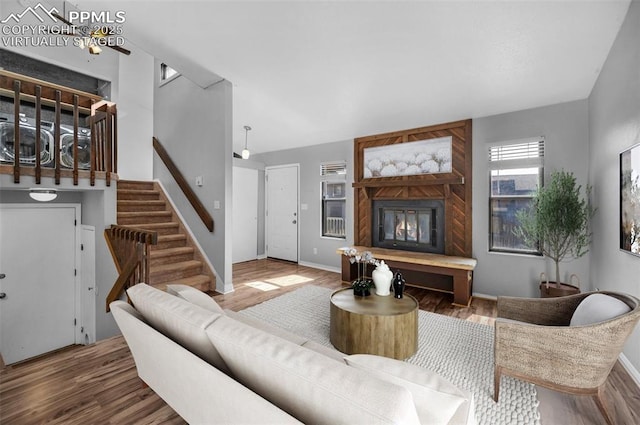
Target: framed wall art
<point>431,156</point>
<point>630,200</point>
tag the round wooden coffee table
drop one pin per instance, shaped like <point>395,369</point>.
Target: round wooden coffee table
<point>385,326</point>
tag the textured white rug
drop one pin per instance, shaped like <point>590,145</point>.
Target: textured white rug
<point>459,350</point>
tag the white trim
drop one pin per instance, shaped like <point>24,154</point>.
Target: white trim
<point>484,296</point>
<point>631,370</point>
<point>261,257</point>
<point>193,238</point>
<point>320,267</point>
<point>516,141</point>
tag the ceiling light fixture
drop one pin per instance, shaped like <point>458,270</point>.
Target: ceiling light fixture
<point>43,195</point>
<point>245,151</point>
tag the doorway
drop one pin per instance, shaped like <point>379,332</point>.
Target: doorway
<point>245,214</point>
<point>282,215</point>
<point>39,256</point>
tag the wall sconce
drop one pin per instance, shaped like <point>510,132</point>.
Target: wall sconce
<point>43,195</point>
<point>245,151</point>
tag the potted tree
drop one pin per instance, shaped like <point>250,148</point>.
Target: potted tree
<point>558,221</point>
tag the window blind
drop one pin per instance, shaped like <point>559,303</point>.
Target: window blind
<point>333,168</point>
<point>518,153</point>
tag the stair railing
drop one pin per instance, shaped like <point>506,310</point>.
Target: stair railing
<point>130,249</point>
<point>102,120</point>
<point>197,205</point>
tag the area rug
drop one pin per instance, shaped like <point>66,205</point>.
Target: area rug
<point>458,350</point>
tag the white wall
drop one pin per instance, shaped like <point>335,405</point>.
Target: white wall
<point>194,126</point>
<point>614,125</point>
<point>565,129</point>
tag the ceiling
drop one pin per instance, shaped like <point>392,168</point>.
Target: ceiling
<point>310,72</point>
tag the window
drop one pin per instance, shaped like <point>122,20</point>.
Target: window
<point>516,169</point>
<point>334,199</point>
<point>167,73</point>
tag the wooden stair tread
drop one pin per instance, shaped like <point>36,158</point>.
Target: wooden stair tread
<point>140,202</point>
<point>200,281</point>
<point>173,237</point>
<point>138,191</point>
<point>154,226</point>
<point>126,214</point>
<point>168,268</point>
<point>171,251</point>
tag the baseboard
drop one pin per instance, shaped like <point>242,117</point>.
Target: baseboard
<point>261,257</point>
<point>194,239</point>
<point>631,370</point>
<point>320,266</point>
<point>484,296</point>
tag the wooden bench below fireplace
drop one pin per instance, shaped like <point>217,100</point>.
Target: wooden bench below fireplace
<point>433,271</point>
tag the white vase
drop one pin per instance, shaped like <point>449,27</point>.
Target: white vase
<point>382,276</point>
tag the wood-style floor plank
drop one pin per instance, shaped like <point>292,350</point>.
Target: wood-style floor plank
<point>98,384</point>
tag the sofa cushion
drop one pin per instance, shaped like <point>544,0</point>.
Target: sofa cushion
<point>273,330</point>
<point>178,319</point>
<point>194,296</point>
<point>436,399</point>
<point>598,308</point>
<point>306,384</point>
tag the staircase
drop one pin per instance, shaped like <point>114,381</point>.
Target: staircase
<point>176,258</point>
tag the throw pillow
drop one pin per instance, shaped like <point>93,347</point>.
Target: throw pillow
<point>598,308</point>
<point>194,296</point>
<point>178,319</point>
<point>435,398</point>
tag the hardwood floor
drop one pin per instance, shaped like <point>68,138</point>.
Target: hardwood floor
<point>98,384</point>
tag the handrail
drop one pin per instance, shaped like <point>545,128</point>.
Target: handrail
<point>182,183</point>
<point>130,249</point>
<point>103,126</point>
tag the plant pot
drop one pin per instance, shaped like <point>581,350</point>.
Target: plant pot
<point>551,290</point>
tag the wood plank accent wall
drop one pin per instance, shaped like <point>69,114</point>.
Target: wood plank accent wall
<point>454,188</point>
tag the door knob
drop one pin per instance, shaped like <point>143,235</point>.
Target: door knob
<point>294,222</point>
<point>2,295</point>
<point>2,275</point>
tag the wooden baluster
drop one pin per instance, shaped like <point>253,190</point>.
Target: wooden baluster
<point>16,131</point>
<point>114,140</point>
<point>76,121</point>
<point>92,124</point>
<point>107,142</point>
<point>56,137</point>
<point>38,133</point>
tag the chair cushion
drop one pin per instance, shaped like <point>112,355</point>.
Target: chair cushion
<point>307,385</point>
<point>178,319</point>
<point>436,399</point>
<point>194,296</point>
<point>598,308</point>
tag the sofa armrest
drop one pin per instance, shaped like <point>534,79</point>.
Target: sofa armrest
<point>196,390</point>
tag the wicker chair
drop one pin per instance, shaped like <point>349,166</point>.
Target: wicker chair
<point>534,342</point>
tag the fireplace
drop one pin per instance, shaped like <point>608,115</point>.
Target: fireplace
<point>409,225</point>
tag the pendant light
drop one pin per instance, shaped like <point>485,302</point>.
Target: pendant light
<point>245,151</point>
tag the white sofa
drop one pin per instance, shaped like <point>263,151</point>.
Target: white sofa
<point>219,367</point>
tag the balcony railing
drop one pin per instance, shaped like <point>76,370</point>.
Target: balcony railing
<point>26,141</point>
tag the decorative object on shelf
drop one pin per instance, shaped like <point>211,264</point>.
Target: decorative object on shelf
<point>382,277</point>
<point>398,285</point>
<point>558,221</point>
<point>630,200</point>
<point>362,284</point>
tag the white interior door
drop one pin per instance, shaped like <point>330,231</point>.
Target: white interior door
<point>245,214</point>
<point>38,251</point>
<point>88,286</point>
<point>282,212</point>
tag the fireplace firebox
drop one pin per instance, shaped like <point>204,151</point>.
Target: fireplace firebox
<point>409,225</point>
